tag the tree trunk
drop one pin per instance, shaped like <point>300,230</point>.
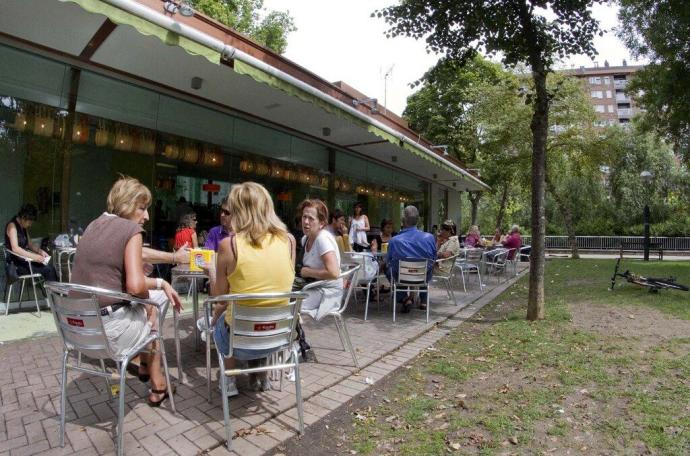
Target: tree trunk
<point>539,127</point>
<point>502,207</point>
<point>567,214</point>
<point>474,198</point>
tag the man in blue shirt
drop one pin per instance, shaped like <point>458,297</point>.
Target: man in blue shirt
<point>410,243</point>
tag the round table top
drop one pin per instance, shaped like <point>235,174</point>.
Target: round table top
<point>183,269</point>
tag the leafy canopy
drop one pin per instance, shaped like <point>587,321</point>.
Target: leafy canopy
<point>270,30</point>
<point>659,30</point>
<point>521,30</point>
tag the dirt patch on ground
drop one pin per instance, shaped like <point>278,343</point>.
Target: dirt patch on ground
<point>648,326</point>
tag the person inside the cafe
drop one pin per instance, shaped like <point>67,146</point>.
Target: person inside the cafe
<point>18,240</point>
<point>410,243</point>
<point>359,225</point>
<point>257,257</point>
<point>448,245</point>
<point>109,255</point>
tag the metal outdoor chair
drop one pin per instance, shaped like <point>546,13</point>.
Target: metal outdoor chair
<point>471,262</point>
<point>260,328</point>
<point>366,262</point>
<point>35,278</point>
<point>77,314</point>
<point>512,259</point>
<point>349,279</point>
<point>496,262</point>
<point>412,276</point>
<point>446,277</point>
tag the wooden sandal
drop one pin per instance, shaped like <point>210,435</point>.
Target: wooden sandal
<point>165,394</point>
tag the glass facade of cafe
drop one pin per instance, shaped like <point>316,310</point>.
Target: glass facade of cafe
<point>65,162</point>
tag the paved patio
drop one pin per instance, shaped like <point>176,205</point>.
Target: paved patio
<point>30,394</point>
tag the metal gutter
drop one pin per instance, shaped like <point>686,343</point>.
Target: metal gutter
<point>230,52</point>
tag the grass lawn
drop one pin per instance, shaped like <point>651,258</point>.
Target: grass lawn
<point>608,372</point>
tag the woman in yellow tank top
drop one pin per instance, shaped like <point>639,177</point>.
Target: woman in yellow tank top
<point>257,258</point>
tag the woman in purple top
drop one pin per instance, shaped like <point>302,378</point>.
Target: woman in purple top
<point>473,238</point>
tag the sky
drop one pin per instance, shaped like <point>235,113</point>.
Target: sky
<point>339,41</point>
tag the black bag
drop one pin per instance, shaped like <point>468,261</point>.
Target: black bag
<point>11,273</point>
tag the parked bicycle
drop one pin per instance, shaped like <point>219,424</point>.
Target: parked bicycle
<point>654,284</point>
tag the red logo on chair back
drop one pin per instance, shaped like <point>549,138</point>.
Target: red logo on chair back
<point>412,271</point>
<point>264,326</point>
<point>75,322</point>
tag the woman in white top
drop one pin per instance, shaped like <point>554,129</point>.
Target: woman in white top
<point>321,260</point>
<point>358,229</point>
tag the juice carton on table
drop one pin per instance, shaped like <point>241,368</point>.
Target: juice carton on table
<point>199,258</point>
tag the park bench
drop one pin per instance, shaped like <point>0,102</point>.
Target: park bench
<point>638,247</point>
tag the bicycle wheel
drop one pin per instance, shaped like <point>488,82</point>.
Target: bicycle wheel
<point>662,283</point>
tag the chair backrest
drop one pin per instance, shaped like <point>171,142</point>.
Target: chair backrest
<point>77,315</point>
<point>349,277</point>
<point>473,255</point>
<point>259,327</point>
<point>512,254</point>
<point>497,257</point>
<point>412,271</point>
<point>369,267</point>
<point>450,260</point>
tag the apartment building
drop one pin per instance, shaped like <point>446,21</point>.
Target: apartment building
<point>606,87</point>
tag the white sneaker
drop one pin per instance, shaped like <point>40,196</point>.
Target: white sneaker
<point>231,387</point>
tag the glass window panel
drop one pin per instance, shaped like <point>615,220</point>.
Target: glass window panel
<point>115,100</point>
<point>33,78</point>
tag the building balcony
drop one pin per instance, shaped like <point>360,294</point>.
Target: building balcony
<point>625,112</point>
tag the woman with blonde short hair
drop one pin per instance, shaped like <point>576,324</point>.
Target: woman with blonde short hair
<point>257,257</point>
<point>109,256</point>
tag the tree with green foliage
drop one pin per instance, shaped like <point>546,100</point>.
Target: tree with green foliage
<point>270,30</point>
<point>659,30</point>
<point>472,108</point>
<point>521,31</point>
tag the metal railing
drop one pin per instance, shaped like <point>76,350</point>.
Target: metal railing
<point>611,242</point>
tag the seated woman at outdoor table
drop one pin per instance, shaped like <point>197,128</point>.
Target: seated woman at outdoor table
<point>387,232</point>
<point>498,237</point>
<point>186,236</point>
<point>18,241</point>
<point>447,245</point>
<point>257,257</point>
<point>473,238</point>
<point>109,256</point>
<point>321,261</point>
<point>513,241</point>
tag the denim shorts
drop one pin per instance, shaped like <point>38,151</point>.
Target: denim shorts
<point>221,336</point>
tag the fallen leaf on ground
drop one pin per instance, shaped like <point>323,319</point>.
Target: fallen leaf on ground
<point>513,440</point>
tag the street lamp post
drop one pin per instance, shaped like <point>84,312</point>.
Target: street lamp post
<point>646,177</point>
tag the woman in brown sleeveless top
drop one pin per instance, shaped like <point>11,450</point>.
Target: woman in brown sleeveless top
<point>109,256</point>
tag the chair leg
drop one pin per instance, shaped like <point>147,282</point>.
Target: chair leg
<point>224,399</point>
<point>346,334</point>
<point>340,333</point>
<point>21,293</point>
<point>393,293</point>
<point>178,351</point>
<point>38,308</point>
<point>298,392</point>
<point>428,307</point>
<point>479,276</point>
<point>208,364</point>
<point>63,398</point>
<point>366,304</point>
<point>107,380</point>
<point>9,299</point>
<point>164,358</point>
<point>121,410</point>
<point>462,276</point>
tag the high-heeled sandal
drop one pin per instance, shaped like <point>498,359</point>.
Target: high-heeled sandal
<point>165,394</point>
